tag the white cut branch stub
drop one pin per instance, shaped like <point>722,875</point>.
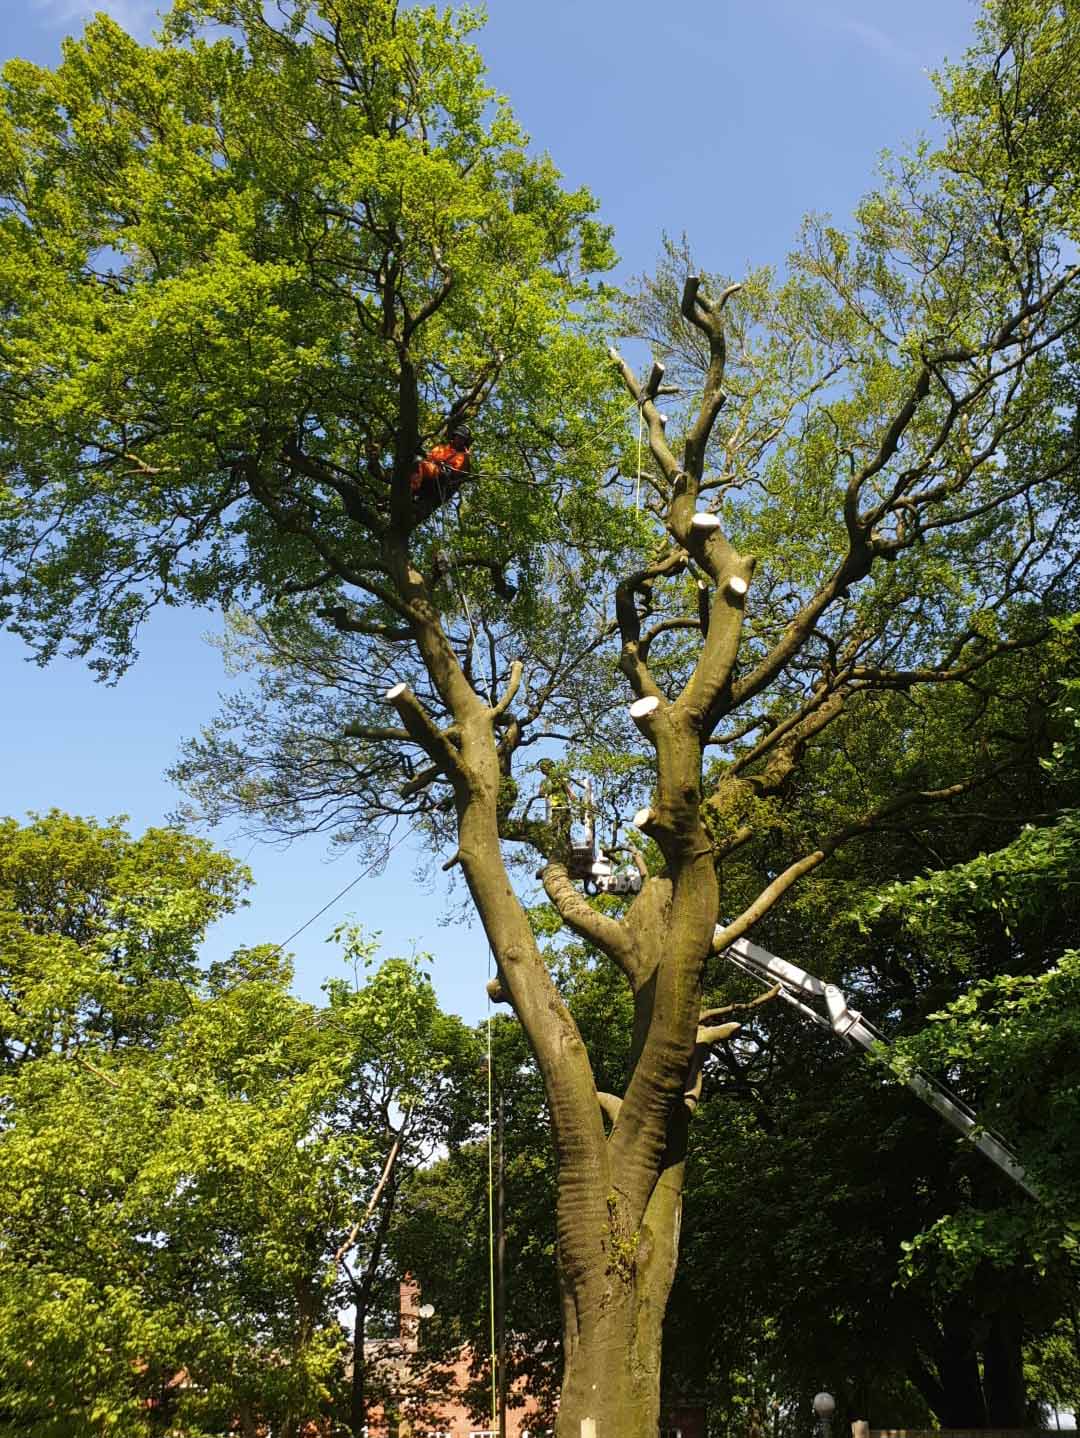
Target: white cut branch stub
<point>395,691</point>
<point>641,707</point>
<point>737,584</point>
<point>641,818</point>
<point>704,520</point>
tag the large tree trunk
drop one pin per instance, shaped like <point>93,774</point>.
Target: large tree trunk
<point>614,1313</point>
<point>619,1194</point>
<point>963,1405</point>
<point>611,1378</point>
<point>1003,1372</point>
<point>954,1392</point>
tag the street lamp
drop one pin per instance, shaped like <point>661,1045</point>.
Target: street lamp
<point>824,1408</point>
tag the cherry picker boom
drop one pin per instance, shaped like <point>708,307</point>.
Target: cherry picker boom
<point>796,986</point>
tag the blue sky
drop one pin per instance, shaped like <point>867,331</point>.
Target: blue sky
<point>727,120</point>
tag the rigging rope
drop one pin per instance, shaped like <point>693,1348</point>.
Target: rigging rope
<point>341,894</point>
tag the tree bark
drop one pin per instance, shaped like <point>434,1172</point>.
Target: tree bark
<point>1003,1371</point>
<point>357,1394</point>
<point>955,1394</point>
<point>613,1317</point>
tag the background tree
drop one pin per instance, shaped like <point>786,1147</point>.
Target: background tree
<point>411,1091</point>
<point>247,273</point>
<point>191,1160</point>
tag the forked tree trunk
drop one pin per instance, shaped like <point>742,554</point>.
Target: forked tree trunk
<point>620,1191</point>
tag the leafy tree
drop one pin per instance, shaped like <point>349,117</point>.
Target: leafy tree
<point>196,1169</point>
<point>410,1091</point>
<point>249,271</point>
<point>1007,1039</point>
<point>858,1245</point>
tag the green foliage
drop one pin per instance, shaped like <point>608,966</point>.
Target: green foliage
<point>198,244</point>
<point>100,931</point>
<point>183,1150</point>
<point>245,273</point>
<point>1009,1035</point>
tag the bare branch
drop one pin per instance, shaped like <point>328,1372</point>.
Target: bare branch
<point>709,1016</point>
<point>339,616</point>
<point>609,935</point>
<point>708,319</point>
<point>713,1033</point>
<point>610,1105</point>
<point>422,730</point>
<point>789,876</point>
<point>517,670</point>
<point>373,1202</point>
<point>376,733</point>
<point>631,661</point>
<point>98,1073</point>
<point>419,782</point>
<point>658,444</point>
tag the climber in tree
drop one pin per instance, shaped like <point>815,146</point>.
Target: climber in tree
<point>440,472</point>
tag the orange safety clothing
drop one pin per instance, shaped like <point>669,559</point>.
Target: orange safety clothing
<point>443,461</point>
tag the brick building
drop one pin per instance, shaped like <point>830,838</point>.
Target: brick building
<point>428,1402</point>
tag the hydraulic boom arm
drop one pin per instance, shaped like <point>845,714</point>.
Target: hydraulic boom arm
<point>797,986</point>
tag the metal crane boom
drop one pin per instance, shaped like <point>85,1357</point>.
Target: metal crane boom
<point>797,986</point>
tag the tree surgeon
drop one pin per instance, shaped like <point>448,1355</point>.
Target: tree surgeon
<point>437,476</point>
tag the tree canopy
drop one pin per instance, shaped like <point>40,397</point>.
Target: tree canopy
<point>196,1168</point>
<point>250,270</point>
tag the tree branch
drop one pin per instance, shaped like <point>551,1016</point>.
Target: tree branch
<point>339,616</point>
<point>375,732</point>
<point>708,319</point>
<point>294,458</point>
<point>609,935</point>
<point>773,892</point>
<point>423,731</point>
<point>610,1105</point>
<point>517,670</point>
<point>373,1202</point>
